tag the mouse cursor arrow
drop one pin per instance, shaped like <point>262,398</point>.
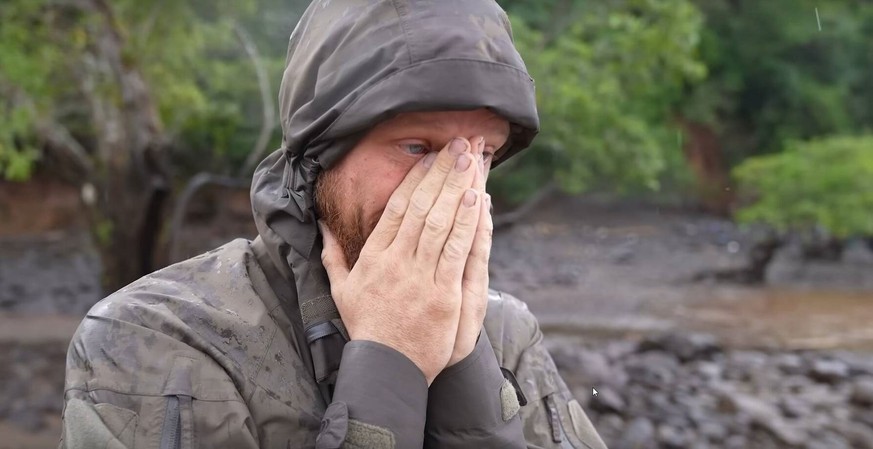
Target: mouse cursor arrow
<point>594,391</point>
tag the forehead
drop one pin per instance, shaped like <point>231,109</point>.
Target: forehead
<point>480,120</point>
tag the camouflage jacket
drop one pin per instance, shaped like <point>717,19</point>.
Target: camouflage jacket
<point>206,353</point>
<point>212,352</point>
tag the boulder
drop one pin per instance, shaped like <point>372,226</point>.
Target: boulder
<point>829,371</point>
<point>639,434</point>
<point>862,392</point>
<point>684,346</point>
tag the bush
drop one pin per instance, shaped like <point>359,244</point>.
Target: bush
<point>606,83</point>
<point>820,184</point>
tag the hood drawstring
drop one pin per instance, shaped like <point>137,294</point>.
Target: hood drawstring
<point>323,328</point>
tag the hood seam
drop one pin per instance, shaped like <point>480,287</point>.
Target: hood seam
<point>401,14</point>
<point>364,92</point>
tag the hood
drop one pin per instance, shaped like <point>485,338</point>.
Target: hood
<point>354,63</point>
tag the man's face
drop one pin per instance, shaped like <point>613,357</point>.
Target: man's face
<point>352,194</point>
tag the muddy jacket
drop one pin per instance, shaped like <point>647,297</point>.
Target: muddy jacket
<point>242,347</point>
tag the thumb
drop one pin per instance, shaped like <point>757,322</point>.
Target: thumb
<point>333,259</point>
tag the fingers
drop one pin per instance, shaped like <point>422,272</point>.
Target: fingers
<point>450,265</point>
<point>441,175</point>
<point>475,280</point>
<point>334,260</point>
<point>386,229</point>
<point>453,254</point>
<point>441,219</point>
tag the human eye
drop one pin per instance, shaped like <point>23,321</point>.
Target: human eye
<point>488,153</point>
<point>415,148</point>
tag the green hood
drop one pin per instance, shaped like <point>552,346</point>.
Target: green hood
<point>352,64</point>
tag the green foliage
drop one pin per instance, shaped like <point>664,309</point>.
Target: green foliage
<point>606,83</point>
<point>22,67</point>
<point>774,76</point>
<point>825,183</point>
<point>202,81</point>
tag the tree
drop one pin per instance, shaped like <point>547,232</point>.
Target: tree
<point>607,76</point>
<point>103,92</point>
<point>819,187</point>
<point>774,76</point>
<point>824,183</point>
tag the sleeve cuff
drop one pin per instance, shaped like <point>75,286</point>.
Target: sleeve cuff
<point>382,388</point>
<point>468,395</point>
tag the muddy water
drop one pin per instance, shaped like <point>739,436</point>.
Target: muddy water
<point>784,318</point>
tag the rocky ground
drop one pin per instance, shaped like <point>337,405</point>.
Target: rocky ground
<point>676,364</point>
<point>689,391</point>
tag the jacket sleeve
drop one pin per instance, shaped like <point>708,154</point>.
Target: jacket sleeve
<point>113,399</point>
<point>471,404</point>
<point>552,418</point>
<point>379,401</point>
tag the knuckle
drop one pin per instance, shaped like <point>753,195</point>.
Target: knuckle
<point>419,206</point>
<point>488,229</point>
<point>480,307</point>
<point>454,249</point>
<point>446,301</point>
<point>436,222</point>
<point>466,221</point>
<point>480,257</point>
<point>444,162</point>
<point>457,183</point>
<point>442,309</point>
<point>396,206</point>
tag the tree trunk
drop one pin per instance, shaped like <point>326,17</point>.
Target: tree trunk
<point>133,179</point>
<point>760,256</point>
<point>822,248</point>
<point>754,272</point>
<point>704,156</point>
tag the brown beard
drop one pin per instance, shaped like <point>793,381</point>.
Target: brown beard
<point>337,212</point>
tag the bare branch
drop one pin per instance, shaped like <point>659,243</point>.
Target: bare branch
<point>269,108</point>
<point>149,22</point>
<point>194,185</point>
<point>55,136</point>
<point>510,218</point>
<point>59,140</point>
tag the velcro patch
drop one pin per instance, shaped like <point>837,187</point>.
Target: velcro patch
<point>368,436</point>
<point>508,400</point>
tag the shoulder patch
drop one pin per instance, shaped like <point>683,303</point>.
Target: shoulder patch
<point>508,400</point>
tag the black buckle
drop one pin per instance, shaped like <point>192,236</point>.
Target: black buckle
<point>508,375</point>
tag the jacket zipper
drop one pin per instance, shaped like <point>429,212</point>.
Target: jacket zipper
<point>171,435</point>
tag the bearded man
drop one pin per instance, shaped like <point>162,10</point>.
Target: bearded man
<point>360,317</point>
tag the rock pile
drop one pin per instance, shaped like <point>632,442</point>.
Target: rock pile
<point>687,391</point>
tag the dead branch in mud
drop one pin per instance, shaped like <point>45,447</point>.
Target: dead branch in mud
<point>194,185</point>
<point>202,180</point>
<point>510,218</point>
<point>754,272</point>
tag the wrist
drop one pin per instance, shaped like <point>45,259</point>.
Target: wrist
<point>413,355</point>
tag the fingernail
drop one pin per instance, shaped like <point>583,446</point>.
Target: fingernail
<point>480,145</point>
<point>458,146</point>
<point>470,197</point>
<point>463,162</point>
<point>428,160</point>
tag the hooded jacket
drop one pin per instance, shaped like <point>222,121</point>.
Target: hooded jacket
<point>243,347</point>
